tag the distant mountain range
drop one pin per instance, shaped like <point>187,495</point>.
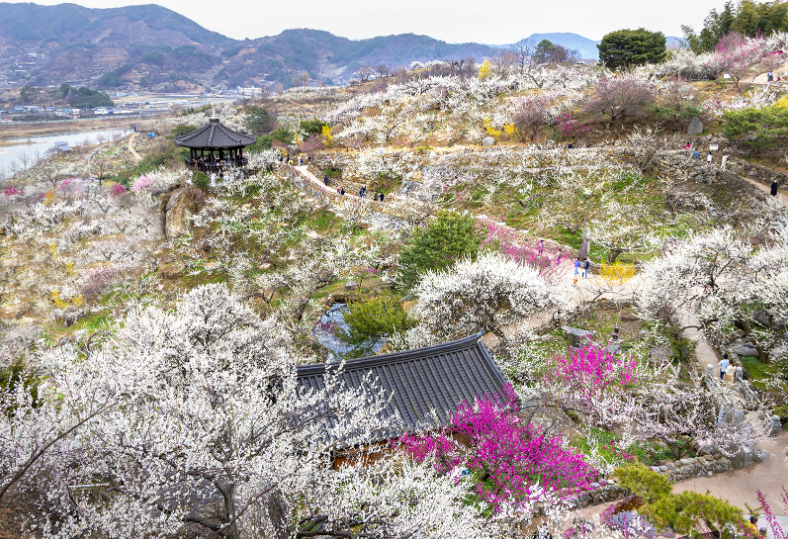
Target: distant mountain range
<point>586,47</point>
<point>151,47</point>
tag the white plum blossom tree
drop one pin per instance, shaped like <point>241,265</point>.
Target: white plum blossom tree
<point>726,279</point>
<point>486,294</point>
<point>194,419</point>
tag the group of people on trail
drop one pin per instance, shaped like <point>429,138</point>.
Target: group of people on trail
<point>696,154</point>
<point>583,265</point>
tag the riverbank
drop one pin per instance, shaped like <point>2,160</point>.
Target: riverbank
<point>28,130</point>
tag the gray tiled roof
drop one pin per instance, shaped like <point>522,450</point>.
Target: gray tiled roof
<point>214,135</point>
<point>433,378</point>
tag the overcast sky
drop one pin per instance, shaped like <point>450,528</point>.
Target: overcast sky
<point>455,21</point>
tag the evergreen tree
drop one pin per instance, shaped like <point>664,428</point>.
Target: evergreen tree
<point>748,17</point>
<point>627,48</point>
<point>445,240</point>
<point>258,120</point>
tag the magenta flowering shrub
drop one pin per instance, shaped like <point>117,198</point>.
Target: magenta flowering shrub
<point>777,530</point>
<point>11,191</point>
<point>524,251</point>
<point>587,374</point>
<point>510,458</point>
<point>117,189</point>
<point>569,126</point>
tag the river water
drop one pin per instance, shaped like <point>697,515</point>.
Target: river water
<point>25,155</point>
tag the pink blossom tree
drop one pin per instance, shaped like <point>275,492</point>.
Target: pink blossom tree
<point>585,376</point>
<point>312,144</point>
<point>735,55</point>
<point>510,458</point>
<point>544,258</point>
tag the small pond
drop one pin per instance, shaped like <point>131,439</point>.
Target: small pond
<point>325,332</point>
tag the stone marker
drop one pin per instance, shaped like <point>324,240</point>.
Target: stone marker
<point>695,127</point>
<point>488,141</point>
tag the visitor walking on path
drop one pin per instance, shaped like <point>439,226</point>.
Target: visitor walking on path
<point>775,188</point>
<point>342,192</point>
<point>696,154</point>
<point>325,180</point>
<point>541,247</point>
<point>586,265</point>
<point>577,266</point>
<point>381,196</point>
<point>708,158</point>
<point>724,365</point>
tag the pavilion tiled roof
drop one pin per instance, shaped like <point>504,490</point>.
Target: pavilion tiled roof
<point>426,384</point>
<point>214,135</point>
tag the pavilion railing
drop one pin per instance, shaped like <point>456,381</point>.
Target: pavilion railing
<point>215,166</point>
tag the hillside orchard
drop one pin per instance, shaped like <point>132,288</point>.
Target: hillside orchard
<point>152,322</point>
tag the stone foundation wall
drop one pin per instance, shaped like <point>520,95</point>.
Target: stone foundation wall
<point>704,466</point>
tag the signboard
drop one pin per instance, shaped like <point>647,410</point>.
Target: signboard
<point>714,147</point>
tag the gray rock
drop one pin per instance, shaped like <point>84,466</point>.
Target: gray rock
<point>775,426</point>
<point>745,350</point>
<point>181,206</point>
<point>695,127</point>
<point>578,337</point>
<point>351,285</point>
<point>488,141</point>
<point>761,318</point>
<point>660,353</point>
<point>663,468</point>
<point>742,459</point>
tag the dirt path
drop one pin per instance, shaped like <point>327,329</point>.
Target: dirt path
<point>740,487</point>
<point>319,183</point>
<point>781,197</point>
<point>134,154</point>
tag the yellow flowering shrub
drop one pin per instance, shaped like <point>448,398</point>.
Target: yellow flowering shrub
<point>616,273</point>
<point>491,130</point>
<point>485,70</point>
<point>328,138</point>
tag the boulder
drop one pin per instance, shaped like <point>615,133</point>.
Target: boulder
<point>745,350</point>
<point>488,141</point>
<point>695,127</point>
<point>776,426</point>
<point>180,208</point>
<point>578,337</point>
<point>351,285</point>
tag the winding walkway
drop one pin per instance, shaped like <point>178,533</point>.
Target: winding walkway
<point>134,154</point>
<point>781,197</point>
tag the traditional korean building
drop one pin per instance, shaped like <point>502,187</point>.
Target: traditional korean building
<point>214,147</point>
<point>426,384</point>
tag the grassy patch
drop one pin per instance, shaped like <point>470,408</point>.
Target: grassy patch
<point>759,372</point>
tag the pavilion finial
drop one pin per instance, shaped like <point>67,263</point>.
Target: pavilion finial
<point>214,120</point>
